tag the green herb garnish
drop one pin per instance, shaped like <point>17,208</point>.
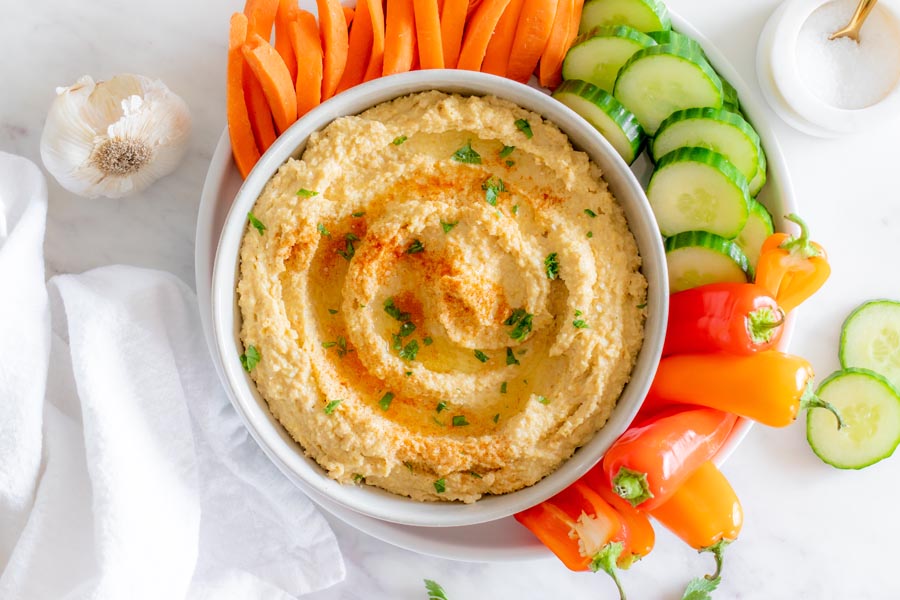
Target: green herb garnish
<point>349,249</point>
<point>304,193</point>
<point>551,266</point>
<point>328,345</point>
<point>323,230</point>
<point>590,234</point>
<point>481,356</point>
<point>440,486</point>
<point>393,311</point>
<point>459,421</point>
<point>580,324</point>
<point>515,208</point>
<point>475,475</point>
<point>521,322</point>
<point>250,358</point>
<point>642,305</point>
<point>467,155</point>
<point>590,213</point>
<point>256,223</point>
<point>410,350</point>
<point>506,151</point>
<point>427,341</point>
<point>496,417</point>
<point>510,163</point>
<point>441,406</point>
<point>329,408</point>
<point>332,311</point>
<point>361,213</point>
<point>503,388</point>
<point>448,227</point>
<point>399,140</point>
<point>385,402</point>
<point>525,127</point>
<point>416,247</point>
<point>407,328</point>
<point>542,400</point>
<point>510,357</point>
<point>435,591</point>
<point>492,189</point>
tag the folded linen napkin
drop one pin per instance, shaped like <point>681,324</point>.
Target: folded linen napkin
<point>124,471</point>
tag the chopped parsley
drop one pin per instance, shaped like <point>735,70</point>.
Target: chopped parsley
<point>329,408</point>
<point>475,475</point>
<point>521,323</point>
<point>503,388</point>
<point>496,417</point>
<point>358,478</point>
<point>250,358</point>
<point>510,163</point>
<point>437,422</point>
<point>459,421</point>
<point>396,342</point>
<point>393,311</point>
<point>578,313</point>
<point>385,402</point>
<point>580,324</point>
<point>506,151</point>
<point>349,249</point>
<point>427,341</point>
<point>481,356</point>
<point>441,406</point>
<point>542,400</point>
<point>435,591</point>
<point>341,344</point>
<point>510,357</point>
<point>256,223</point>
<point>551,266</point>
<point>590,234</point>
<point>642,305</point>
<point>590,213</point>
<point>399,140</point>
<point>525,127</point>
<point>416,247</point>
<point>358,214</point>
<point>323,230</point>
<point>410,350</point>
<point>332,311</point>
<point>467,155</point>
<point>515,208</point>
<point>440,486</point>
<point>448,227</point>
<point>515,317</point>
<point>408,373</point>
<point>328,345</point>
<point>407,328</point>
<point>492,189</point>
<point>304,193</point>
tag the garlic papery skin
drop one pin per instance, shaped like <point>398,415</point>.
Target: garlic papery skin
<point>115,137</point>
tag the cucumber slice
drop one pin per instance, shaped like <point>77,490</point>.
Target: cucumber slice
<point>606,114</point>
<point>870,338</point>
<point>596,57</point>
<point>719,130</point>
<point>670,36</point>
<point>697,258</point>
<point>660,80</point>
<point>870,408</point>
<point>729,94</point>
<point>758,227</point>
<point>696,189</point>
<point>643,15</point>
<point>758,181</point>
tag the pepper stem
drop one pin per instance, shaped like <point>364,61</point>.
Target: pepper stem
<point>763,322</point>
<point>810,400</point>
<point>606,560</point>
<point>800,245</point>
<point>718,552</point>
<point>632,486</point>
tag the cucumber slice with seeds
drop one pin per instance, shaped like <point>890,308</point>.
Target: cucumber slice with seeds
<point>660,80</point>
<point>596,57</point>
<point>671,36</point>
<point>870,409</point>
<point>719,130</point>
<point>696,189</point>
<point>870,338</point>
<point>759,226</point>
<point>696,258</point>
<point>643,15</point>
<point>606,114</point>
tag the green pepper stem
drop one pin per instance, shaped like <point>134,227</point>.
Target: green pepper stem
<point>810,400</point>
<point>800,246</point>
<point>763,322</point>
<point>632,486</point>
<point>718,552</point>
<point>606,560</point>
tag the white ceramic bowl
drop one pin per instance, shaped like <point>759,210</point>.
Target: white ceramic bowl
<point>226,316</point>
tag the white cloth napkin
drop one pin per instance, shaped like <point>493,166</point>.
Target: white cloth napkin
<point>124,471</point>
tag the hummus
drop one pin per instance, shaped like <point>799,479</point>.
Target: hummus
<point>445,298</point>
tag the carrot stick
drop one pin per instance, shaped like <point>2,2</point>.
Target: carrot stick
<point>360,48</point>
<point>428,34</point>
<point>304,32</point>
<point>243,145</point>
<point>376,60</point>
<point>496,57</point>
<point>532,33</point>
<point>260,17</point>
<point>287,9</point>
<point>453,22</point>
<point>275,79</point>
<point>478,35</point>
<point>550,67</point>
<point>349,13</point>
<point>260,113</point>
<point>399,37</point>
<point>335,43</point>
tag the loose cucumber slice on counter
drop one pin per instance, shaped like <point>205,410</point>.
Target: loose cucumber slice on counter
<point>660,80</point>
<point>670,36</point>
<point>870,409</point>
<point>757,183</point>
<point>719,130</point>
<point>696,189</point>
<point>606,114</point>
<point>643,15</point>
<point>758,227</point>
<point>870,338</point>
<point>697,258</point>
<point>597,56</point>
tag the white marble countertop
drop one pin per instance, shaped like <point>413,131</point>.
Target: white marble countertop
<point>810,531</point>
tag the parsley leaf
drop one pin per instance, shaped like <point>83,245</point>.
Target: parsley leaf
<point>427,341</point>
<point>256,223</point>
<point>642,305</point>
<point>510,163</point>
<point>416,247</point>
<point>522,322</point>
<point>392,310</point>
<point>492,189</point>
<point>441,406</point>
<point>399,140</point>
<point>396,342</point>
<point>467,155</point>
<point>358,478</point>
<point>590,234</point>
<point>525,127</point>
<point>542,400</point>
<point>701,588</point>
<point>590,213</point>
<point>250,358</point>
<point>510,357</point>
<point>515,317</point>
<point>580,324</point>
<point>448,227</point>
<point>459,421</point>
<point>329,408</point>
<point>328,345</point>
<point>385,402</point>
<point>304,193</point>
<point>503,388</point>
<point>323,230</point>
<point>496,417</point>
<point>440,486</point>
<point>349,250</point>
<point>358,214</point>
<point>410,350</point>
<point>506,151</point>
<point>551,266</point>
<point>481,356</point>
<point>515,208</point>
<point>475,475</point>
<point>332,311</point>
<point>578,313</point>
<point>435,591</point>
<point>407,328</point>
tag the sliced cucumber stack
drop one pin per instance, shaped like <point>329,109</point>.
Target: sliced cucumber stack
<point>596,57</point>
<point>696,189</point>
<point>730,99</point>
<point>697,258</point>
<point>659,80</point>
<point>870,408</point>
<point>757,183</point>
<point>606,114</point>
<point>643,15</point>
<point>670,36</point>
<point>758,227</point>
<point>870,338</point>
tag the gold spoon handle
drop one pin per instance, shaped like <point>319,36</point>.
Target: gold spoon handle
<point>856,21</point>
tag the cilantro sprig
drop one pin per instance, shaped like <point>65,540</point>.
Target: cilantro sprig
<point>467,155</point>
<point>250,358</point>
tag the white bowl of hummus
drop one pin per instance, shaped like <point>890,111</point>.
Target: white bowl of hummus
<point>438,298</point>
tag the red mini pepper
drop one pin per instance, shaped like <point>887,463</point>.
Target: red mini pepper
<point>648,463</point>
<point>739,318</point>
<point>792,268</point>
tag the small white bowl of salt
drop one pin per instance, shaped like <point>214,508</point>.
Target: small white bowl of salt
<point>825,87</point>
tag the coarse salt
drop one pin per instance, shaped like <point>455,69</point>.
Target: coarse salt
<point>841,72</point>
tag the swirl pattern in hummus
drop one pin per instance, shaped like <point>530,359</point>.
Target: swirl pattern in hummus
<point>446,299</point>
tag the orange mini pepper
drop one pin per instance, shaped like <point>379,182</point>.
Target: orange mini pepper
<point>792,268</point>
<point>638,536</point>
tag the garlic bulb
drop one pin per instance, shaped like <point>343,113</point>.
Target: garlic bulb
<point>115,137</point>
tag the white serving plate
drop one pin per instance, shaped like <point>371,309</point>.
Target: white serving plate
<point>503,539</point>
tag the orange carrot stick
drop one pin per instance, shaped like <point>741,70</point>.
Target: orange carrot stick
<point>550,67</point>
<point>260,17</point>
<point>532,33</point>
<point>304,32</point>
<point>260,113</point>
<point>428,34</point>
<point>360,48</point>
<point>349,13</point>
<point>243,145</point>
<point>335,43</point>
<point>399,37</point>
<point>287,10</point>
<point>376,60</point>
<point>496,57</point>
<point>275,79</point>
<point>478,35</point>
<point>453,22</point>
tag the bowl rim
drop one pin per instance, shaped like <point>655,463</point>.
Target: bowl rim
<point>367,500</point>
